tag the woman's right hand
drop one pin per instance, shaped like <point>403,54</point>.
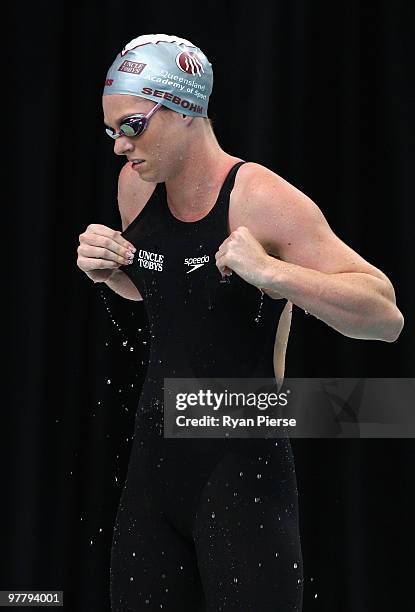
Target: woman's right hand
<point>102,250</point>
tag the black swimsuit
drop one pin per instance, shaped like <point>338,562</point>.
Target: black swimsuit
<point>203,524</point>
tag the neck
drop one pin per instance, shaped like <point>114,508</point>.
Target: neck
<point>194,189</point>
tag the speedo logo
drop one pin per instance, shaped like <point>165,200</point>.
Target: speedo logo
<point>195,262</point>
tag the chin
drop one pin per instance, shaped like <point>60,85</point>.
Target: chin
<point>151,177</point>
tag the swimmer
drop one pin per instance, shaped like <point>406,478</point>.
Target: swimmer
<point>219,248</point>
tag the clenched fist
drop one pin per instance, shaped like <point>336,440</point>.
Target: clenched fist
<point>102,250</point>
<point>243,254</point>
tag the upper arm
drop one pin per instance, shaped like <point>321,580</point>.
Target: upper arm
<point>292,227</point>
<point>133,194</point>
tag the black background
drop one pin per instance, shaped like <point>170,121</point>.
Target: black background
<point>321,93</point>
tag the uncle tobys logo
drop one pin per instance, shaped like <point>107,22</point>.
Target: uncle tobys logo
<point>132,67</point>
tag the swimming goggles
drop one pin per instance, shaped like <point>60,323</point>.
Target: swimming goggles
<point>133,125</point>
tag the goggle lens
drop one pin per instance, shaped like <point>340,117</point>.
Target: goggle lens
<point>132,126</point>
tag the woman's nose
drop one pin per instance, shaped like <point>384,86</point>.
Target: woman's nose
<point>122,145</point>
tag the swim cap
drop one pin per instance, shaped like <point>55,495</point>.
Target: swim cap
<point>165,69</point>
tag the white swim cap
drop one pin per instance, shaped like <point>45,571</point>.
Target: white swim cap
<point>165,69</point>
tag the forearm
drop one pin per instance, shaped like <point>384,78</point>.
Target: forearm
<point>121,284</point>
<point>355,304</point>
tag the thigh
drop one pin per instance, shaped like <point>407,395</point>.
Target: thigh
<point>246,532</point>
<point>152,566</point>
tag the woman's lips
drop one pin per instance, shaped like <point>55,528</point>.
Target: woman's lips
<point>138,164</point>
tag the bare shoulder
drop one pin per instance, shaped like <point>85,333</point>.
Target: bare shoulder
<point>255,185</point>
<point>262,198</point>
<point>133,194</point>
